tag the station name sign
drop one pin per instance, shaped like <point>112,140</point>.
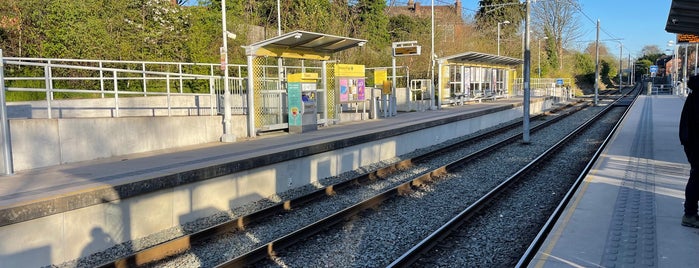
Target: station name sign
<point>687,38</point>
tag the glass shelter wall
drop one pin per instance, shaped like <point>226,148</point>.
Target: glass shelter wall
<point>468,82</point>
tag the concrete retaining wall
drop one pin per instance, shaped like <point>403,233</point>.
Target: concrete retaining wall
<point>46,142</point>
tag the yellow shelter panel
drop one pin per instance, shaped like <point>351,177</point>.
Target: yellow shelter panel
<point>444,73</point>
<point>331,91</point>
<point>304,54</point>
<point>512,74</point>
<point>258,74</point>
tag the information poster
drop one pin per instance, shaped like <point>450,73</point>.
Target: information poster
<point>344,90</point>
<point>295,104</point>
<point>360,89</point>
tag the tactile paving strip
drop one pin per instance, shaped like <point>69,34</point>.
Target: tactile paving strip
<point>631,241</point>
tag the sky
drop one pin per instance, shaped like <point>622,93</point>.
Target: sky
<point>637,22</point>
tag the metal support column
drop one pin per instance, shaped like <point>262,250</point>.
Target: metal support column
<point>527,76</point>
<point>5,124</point>
<point>251,99</point>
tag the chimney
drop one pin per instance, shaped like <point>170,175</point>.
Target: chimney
<point>457,5</point>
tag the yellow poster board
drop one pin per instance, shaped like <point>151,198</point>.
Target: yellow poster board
<point>380,75</point>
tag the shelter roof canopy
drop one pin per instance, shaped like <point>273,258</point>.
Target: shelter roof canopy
<point>481,58</point>
<point>683,17</point>
<point>303,45</point>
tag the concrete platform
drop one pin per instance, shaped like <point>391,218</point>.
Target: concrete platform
<point>627,212</point>
<point>64,212</point>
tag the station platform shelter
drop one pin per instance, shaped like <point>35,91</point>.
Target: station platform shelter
<point>474,76</point>
<point>328,85</point>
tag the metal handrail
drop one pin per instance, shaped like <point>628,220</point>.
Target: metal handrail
<point>145,75</point>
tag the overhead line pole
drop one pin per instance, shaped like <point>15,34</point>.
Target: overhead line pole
<point>432,60</point>
<point>597,64</point>
<point>527,76</point>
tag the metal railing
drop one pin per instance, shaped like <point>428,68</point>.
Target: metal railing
<point>68,79</point>
<point>545,87</point>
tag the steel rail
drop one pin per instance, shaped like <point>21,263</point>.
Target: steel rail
<point>533,248</point>
<point>424,246</point>
<point>270,248</point>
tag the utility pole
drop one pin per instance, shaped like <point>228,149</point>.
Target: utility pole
<point>432,59</point>
<point>597,64</point>
<point>527,76</point>
<point>620,51</point>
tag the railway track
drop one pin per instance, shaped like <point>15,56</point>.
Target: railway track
<point>170,251</point>
<point>459,230</point>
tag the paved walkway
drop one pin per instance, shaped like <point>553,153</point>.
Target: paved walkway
<point>627,212</point>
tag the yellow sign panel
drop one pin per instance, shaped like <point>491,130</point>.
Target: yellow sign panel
<point>349,70</point>
<point>687,38</point>
<point>302,77</point>
<point>380,75</point>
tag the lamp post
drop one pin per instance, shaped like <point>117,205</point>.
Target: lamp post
<point>539,46</point>
<point>500,23</point>
<point>227,135</point>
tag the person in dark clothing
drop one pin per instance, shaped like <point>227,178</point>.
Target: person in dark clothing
<point>689,137</point>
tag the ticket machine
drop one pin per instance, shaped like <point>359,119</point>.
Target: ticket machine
<point>302,102</point>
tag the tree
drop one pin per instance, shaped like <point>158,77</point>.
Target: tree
<point>558,21</point>
<point>492,12</point>
<point>373,21</point>
<point>11,28</point>
<point>650,50</point>
<point>404,27</point>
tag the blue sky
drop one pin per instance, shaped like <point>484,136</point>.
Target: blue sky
<point>637,22</point>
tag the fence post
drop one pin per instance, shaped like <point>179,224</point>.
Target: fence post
<point>145,90</point>
<point>116,95</point>
<point>179,66</point>
<point>101,79</point>
<point>49,88</point>
<point>167,80</point>
<point>5,125</point>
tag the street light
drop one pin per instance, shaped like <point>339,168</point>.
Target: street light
<point>227,135</point>
<point>545,37</point>
<point>500,23</point>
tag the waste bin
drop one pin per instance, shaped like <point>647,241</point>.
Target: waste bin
<point>303,112</point>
